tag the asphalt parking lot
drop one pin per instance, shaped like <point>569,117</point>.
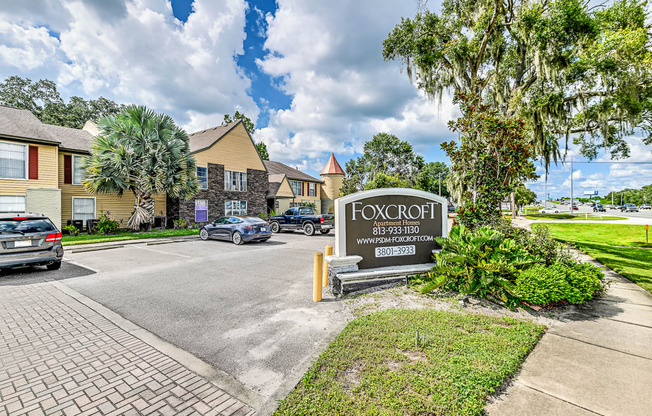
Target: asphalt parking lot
<point>247,310</point>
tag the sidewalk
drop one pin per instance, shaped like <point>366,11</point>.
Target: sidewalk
<point>60,357</point>
<point>597,362</point>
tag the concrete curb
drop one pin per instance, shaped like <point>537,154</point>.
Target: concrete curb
<point>80,248</point>
<point>291,381</point>
<point>217,377</point>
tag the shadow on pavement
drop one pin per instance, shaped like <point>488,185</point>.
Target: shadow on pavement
<point>39,274</point>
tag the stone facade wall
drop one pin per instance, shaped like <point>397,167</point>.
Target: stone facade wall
<point>256,195</point>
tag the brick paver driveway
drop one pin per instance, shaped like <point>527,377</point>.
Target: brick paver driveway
<point>59,357</point>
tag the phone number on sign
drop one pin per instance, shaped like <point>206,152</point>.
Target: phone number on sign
<point>408,229</point>
<point>393,251</point>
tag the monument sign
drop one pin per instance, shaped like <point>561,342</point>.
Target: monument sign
<point>390,226</point>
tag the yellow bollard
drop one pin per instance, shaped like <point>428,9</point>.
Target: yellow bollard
<point>328,252</point>
<point>316,287</point>
<point>586,216</point>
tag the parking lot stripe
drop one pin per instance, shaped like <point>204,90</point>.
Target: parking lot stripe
<point>163,252</point>
<point>81,265</point>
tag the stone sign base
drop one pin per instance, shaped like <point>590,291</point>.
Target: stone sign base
<point>349,279</point>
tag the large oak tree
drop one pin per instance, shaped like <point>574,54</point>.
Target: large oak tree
<point>567,69</point>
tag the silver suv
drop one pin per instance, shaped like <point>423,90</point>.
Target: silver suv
<point>28,239</point>
<point>629,208</point>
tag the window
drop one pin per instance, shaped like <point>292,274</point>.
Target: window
<point>11,203</point>
<point>305,211</point>
<point>27,225</point>
<point>235,208</point>
<point>297,187</point>
<point>77,170</point>
<point>235,181</point>
<point>13,161</point>
<point>202,177</point>
<point>201,210</point>
<point>83,208</point>
<point>312,188</point>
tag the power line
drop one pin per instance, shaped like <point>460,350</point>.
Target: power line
<point>618,163</point>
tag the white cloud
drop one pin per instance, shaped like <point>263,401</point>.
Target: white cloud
<point>328,57</point>
<point>134,51</point>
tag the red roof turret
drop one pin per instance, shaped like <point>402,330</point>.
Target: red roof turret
<point>332,167</point>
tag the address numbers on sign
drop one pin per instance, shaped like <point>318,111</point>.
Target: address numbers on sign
<point>393,251</point>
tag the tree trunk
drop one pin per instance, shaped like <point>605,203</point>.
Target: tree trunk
<point>143,212</point>
<point>513,200</point>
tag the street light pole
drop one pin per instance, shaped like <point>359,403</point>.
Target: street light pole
<point>571,206</point>
<point>439,183</point>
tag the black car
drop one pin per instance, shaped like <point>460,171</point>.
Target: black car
<point>238,230</point>
<point>599,208</point>
<point>451,209</point>
<point>302,218</point>
<point>28,239</point>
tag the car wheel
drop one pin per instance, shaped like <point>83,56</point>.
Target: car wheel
<point>308,228</point>
<point>275,227</point>
<point>203,234</point>
<point>325,231</point>
<point>237,238</point>
<point>54,266</point>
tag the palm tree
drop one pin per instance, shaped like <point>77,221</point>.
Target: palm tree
<point>142,152</point>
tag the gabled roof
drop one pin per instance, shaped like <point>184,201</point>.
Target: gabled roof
<point>275,182</point>
<point>204,139</point>
<point>71,139</point>
<point>332,167</point>
<point>278,168</point>
<point>22,124</point>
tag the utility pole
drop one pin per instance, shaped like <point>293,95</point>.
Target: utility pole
<point>571,166</point>
<point>439,183</point>
<point>545,192</point>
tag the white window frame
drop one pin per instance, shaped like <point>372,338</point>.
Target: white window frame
<point>201,210</point>
<point>26,147</point>
<point>293,184</point>
<point>77,157</point>
<point>312,189</point>
<point>201,185</point>
<point>234,212</point>
<point>84,197</point>
<point>241,181</point>
<point>16,196</point>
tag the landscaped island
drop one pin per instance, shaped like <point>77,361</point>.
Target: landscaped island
<point>377,366</point>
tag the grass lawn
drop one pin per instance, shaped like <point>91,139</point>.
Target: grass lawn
<point>125,235</point>
<point>574,217</point>
<point>374,368</point>
<point>600,241</point>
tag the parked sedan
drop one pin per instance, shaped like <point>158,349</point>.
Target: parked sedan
<point>238,230</point>
<point>629,208</point>
<point>646,206</point>
<point>29,240</point>
<point>549,211</point>
<point>599,208</point>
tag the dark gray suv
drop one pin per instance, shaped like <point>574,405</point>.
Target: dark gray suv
<point>29,239</point>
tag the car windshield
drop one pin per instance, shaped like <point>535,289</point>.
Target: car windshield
<point>37,225</point>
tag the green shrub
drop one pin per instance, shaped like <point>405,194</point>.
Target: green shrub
<point>179,224</point>
<point>481,262</point>
<point>573,282</point>
<point>71,229</point>
<point>509,266</point>
<point>106,225</point>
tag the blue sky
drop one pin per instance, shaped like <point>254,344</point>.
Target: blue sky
<point>310,73</point>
